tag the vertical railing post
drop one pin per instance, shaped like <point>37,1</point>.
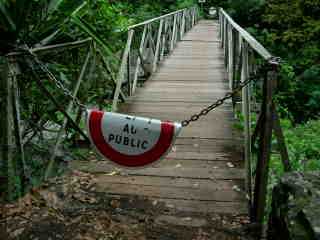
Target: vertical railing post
<point>174,32</point>
<point>193,16</point>
<point>264,151</point>
<point>235,54</point>
<point>222,30</point>
<point>129,74</point>
<point>156,54</point>
<point>246,111</point>
<point>226,44</point>
<point>220,22</point>
<point>163,44</point>
<point>230,57</point>
<point>141,51</point>
<point>183,22</point>
<point>122,70</point>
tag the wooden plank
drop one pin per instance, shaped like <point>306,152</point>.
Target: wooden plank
<point>172,192</point>
<point>206,99</point>
<point>180,115</point>
<point>168,107</point>
<point>179,84</point>
<point>183,91</point>
<point>200,207</point>
<point>192,206</point>
<point>210,185</point>
<point>196,173</point>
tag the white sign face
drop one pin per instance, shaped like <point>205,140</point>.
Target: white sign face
<point>130,135</point>
<point>130,141</point>
<point>202,1</point>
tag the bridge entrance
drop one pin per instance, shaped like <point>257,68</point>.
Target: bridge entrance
<point>204,173</point>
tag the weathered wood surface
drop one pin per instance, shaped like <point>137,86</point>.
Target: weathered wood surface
<point>204,171</point>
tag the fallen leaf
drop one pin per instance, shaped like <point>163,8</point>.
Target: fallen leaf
<point>178,165</point>
<point>115,203</point>
<point>112,173</point>
<point>236,188</point>
<point>230,165</point>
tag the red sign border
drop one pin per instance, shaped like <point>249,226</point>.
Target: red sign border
<point>164,143</point>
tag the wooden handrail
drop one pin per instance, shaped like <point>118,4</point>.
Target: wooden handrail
<point>253,43</point>
<point>240,51</point>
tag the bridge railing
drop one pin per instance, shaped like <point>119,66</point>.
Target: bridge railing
<point>246,58</point>
<point>147,44</point>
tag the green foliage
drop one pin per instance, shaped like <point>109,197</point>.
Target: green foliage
<point>28,22</point>
<point>292,31</point>
<point>303,144</point>
<point>246,12</point>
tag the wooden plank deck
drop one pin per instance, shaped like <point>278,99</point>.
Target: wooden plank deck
<point>204,171</point>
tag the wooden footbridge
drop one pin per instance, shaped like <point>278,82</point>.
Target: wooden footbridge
<point>206,164</point>
<point>191,64</point>
<point>207,74</point>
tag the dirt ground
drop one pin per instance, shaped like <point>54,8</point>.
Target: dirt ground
<point>70,208</point>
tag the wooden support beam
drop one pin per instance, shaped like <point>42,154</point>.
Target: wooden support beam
<point>281,140</point>
<point>262,170</point>
<point>257,129</point>
<point>246,111</point>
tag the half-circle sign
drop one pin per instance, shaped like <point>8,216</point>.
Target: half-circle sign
<point>130,141</point>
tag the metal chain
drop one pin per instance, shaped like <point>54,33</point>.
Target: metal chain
<point>58,83</point>
<point>221,101</point>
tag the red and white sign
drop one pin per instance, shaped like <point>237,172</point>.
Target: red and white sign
<point>130,141</point>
